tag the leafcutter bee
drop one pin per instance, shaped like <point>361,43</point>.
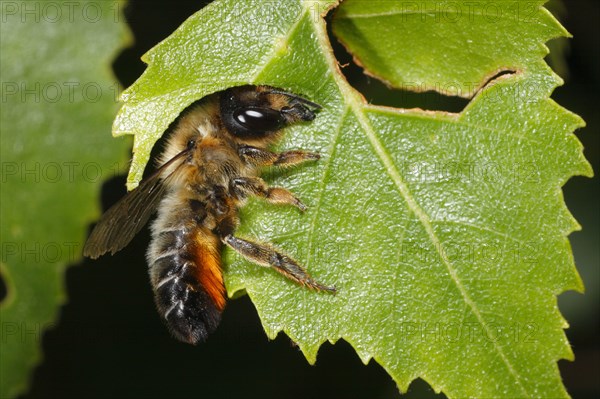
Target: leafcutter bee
<point>210,165</point>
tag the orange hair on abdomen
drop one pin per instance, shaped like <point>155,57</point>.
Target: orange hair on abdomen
<point>206,251</point>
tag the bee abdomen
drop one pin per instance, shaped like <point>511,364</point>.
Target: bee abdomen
<point>186,292</point>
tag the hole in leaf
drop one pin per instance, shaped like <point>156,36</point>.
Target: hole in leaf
<point>378,93</point>
<point>3,288</point>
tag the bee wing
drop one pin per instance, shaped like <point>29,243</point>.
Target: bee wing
<point>125,219</point>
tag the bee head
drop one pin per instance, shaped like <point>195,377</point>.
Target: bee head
<point>255,112</point>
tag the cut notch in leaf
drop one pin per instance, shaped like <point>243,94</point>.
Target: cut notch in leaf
<point>450,47</point>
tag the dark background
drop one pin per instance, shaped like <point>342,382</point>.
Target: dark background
<point>109,341</point>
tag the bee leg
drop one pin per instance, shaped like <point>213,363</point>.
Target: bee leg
<point>265,255</point>
<point>260,157</point>
<point>256,186</point>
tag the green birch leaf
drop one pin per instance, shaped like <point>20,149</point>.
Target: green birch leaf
<point>58,100</point>
<point>445,234</point>
<point>452,47</point>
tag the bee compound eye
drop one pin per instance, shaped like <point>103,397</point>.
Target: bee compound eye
<point>259,119</point>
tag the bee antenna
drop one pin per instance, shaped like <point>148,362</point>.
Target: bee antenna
<point>295,97</point>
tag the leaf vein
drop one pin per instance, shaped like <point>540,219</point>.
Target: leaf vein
<point>274,54</point>
<point>482,228</point>
<point>322,184</point>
